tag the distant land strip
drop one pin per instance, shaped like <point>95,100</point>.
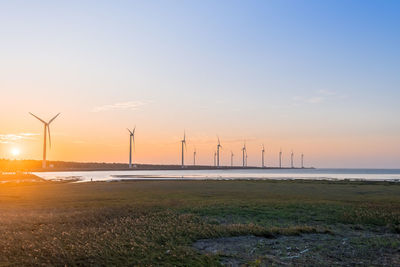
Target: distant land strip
<point>7,165</point>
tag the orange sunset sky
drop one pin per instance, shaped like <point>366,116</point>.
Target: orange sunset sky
<point>265,74</point>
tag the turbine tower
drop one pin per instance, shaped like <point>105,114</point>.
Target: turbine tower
<point>46,130</point>
<point>246,158</point>
<point>131,144</point>
<point>302,161</point>
<point>232,159</point>
<point>194,157</point>
<point>183,141</point>
<point>215,158</point>
<point>243,154</point>
<point>280,158</point>
<point>262,156</point>
<point>218,148</point>
<point>291,160</point>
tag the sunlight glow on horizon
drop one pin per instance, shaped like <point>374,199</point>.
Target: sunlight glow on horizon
<point>15,152</point>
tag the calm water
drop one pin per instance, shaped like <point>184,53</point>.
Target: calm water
<point>255,174</point>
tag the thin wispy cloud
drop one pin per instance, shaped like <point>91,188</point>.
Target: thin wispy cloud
<point>319,97</point>
<point>12,138</point>
<point>326,92</point>
<point>308,100</point>
<point>130,105</point>
<point>315,99</point>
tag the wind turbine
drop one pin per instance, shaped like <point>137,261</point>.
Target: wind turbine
<point>232,159</point>
<point>262,156</point>
<point>218,148</point>
<point>280,158</point>
<point>243,154</point>
<point>183,141</point>
<point>246,157</point>
<point>46,130</point>
<point>302,161</point>
<point>131,143</point>
<point>194,157</point>
<point>291,159</point>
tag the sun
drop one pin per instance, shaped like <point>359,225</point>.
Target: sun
<point>15,151</point>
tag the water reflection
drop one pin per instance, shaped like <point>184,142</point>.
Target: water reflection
<point>253,174</point>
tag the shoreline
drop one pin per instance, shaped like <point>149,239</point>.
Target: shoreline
<point>168,168</point>
<point>194,174</point>
<point>34,179</point>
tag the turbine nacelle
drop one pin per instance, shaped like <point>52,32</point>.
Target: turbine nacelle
<point>132,132</point>
<point>219,143</point>
<point>183,141</point>
<point>244,147</point>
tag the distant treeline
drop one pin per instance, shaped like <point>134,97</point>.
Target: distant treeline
<point>7,165</point>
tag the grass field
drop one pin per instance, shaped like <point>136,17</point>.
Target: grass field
<point>161,223</point>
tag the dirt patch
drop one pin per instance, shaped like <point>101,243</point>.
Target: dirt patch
<point>353,248</point>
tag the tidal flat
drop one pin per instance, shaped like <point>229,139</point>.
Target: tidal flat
<point>200,223</point>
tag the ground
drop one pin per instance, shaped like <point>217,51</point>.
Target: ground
<point>256,223</point>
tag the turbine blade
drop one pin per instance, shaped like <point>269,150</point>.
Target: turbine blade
<point>54,118</point>
<point>48,130</point>
<point>37,117</point>
<point>129,131</point>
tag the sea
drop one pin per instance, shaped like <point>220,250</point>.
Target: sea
<point>392,175</point>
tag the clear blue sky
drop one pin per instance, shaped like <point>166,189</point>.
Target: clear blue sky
<point>319,77</point>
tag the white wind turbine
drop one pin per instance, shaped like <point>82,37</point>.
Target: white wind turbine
<point>183,141</point>
<point>218,148</point>
<point>194,157</point>
<point>244,153</point>
<point>232,158</point>
<point>46,130</point>
<point>302,161</point>
<point>291,160</point>
<point>131,144</point>
<point>280,158</point>
<point>262,156</point>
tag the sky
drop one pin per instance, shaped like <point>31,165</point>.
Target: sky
<point>316,77</point>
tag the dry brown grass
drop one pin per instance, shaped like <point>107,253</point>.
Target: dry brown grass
<point>155,223</point>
